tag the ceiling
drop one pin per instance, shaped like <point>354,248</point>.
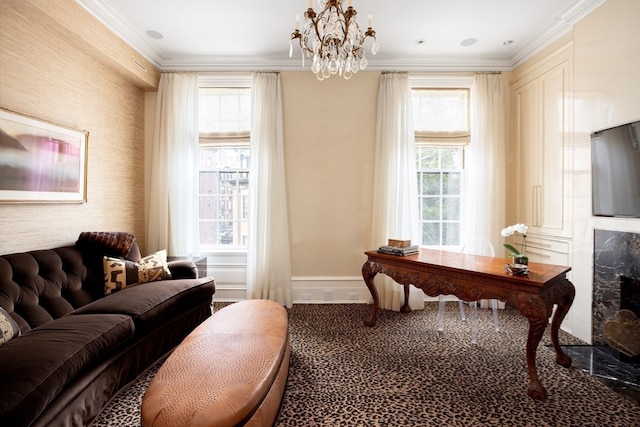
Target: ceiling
<point>219,35</point>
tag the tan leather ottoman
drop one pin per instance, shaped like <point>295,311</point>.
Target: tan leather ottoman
<point>231,370</point>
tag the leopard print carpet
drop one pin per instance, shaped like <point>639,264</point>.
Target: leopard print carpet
<point>402,372</point>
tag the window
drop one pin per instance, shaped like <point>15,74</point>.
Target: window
<point>441,122</point>
<point>225,158</point>
<point>439,194</point>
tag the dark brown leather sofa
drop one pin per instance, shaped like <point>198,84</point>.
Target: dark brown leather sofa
<point>78,347</point>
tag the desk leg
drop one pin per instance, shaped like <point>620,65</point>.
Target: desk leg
<point>537,311</point>
<point>567,293</point>
<point>537,326</point>
<point>368,273</point>
<point>405,306</point>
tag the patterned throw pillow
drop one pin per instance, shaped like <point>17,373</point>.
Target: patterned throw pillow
<point>8,327</point>
<point>120,273</point>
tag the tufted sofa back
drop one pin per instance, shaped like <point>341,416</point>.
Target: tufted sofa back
<point>39,286</point>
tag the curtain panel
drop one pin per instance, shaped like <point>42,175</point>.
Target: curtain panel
<point>268,257</point>
<point>485,162</point>
<point>171,168</point>
<point>395,193</point>
<point>485,196</point>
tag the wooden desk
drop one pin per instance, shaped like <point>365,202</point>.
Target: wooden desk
<point>473,277</point>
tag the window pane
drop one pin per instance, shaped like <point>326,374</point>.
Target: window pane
<point>431,184</point>
<point>440,192</point>
<point>451,208</point>
<point>451,158</point>
<point>428,157</point>
<point>431,233</point>
<point>224,183</point>
<point>225,110</point>
<point>451,183</point>
<point>451,234</point>
<point>441,110</point>
<point>431,208</point>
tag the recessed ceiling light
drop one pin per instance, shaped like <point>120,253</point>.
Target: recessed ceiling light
<point>154,34</point>
<point>468,42</point>
<point>420,41</point>
<point>507,42</point>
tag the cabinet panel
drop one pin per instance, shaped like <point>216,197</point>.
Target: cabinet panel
<point>548,257</point>
<point>549,250</point>
<point>534,242</point>
<point>553,94</point>
<point>526,101</point>
<point>540,111</point>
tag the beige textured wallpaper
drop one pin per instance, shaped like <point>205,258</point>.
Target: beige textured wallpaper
<point>329,139</point>
<point>59,64</point>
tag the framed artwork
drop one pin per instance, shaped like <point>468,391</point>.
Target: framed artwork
<point>40,161</point>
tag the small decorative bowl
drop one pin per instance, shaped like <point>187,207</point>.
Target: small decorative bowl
<point>520,269</point>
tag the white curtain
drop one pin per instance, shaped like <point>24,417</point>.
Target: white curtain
<point>171,168</point>
<point>395,194</point>
<point>485,165</point>
<point>268,260</point>
<point>485,162</point>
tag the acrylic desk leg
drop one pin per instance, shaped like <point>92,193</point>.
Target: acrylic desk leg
<point>368,273</point>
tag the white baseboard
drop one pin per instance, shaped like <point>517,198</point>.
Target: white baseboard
<point>329,290</point>
<point>308,290</point>
<point>229,293</point>
<point>316,290</point>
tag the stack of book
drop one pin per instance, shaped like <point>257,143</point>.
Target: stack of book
<point>399,247</point>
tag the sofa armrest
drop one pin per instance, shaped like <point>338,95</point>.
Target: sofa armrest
<point>183,269</point>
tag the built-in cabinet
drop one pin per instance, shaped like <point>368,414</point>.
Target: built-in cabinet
<point>540,167</point>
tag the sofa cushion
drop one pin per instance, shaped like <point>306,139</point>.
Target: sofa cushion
<point>8,327</point>
<point>42,285</point>
<point>151,304</point>
<point>116,243</point>
<point>120,273</point>
<point>96,245</point>
<point>36,366</point>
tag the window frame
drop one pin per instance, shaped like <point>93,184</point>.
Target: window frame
<point>233,254</point>
<point>443,139</point>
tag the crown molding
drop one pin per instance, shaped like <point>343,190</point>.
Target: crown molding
<point>554,30</point>
<point>544,38</point>
<point>114,22</point>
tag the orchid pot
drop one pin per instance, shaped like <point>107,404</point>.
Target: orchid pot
<point>518,257</point>
<point>521,259</point>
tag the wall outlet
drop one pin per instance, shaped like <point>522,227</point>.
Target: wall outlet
<point>353,296</point>
<point>306,297</point>
<point>328,295</point>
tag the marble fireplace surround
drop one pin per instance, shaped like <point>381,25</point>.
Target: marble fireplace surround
<point>616,255</point>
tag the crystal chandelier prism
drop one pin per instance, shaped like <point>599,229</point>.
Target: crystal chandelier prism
<point>332,38</point>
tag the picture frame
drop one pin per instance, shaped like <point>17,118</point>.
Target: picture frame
<point>41,162</point>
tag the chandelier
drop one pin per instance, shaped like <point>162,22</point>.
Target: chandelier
<point>333,39</point>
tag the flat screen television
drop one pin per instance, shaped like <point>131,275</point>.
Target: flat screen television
<point>615,171</point>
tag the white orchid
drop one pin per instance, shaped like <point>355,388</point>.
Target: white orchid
<point>509,231</point>
<point>516,228</point>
